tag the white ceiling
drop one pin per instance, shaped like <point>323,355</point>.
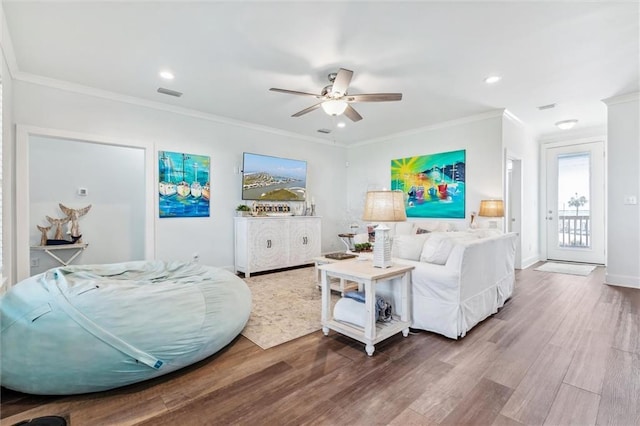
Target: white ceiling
<point>226,55</point>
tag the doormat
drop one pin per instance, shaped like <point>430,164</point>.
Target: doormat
<point>566,268</point>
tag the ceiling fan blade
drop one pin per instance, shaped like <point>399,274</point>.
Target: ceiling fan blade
<point>352,114</point>
<point>341,83</point>
<point>374,97</point>
<point>294,92</point>
<point>306,110</point>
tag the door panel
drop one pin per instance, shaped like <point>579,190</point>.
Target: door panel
<point>575,203</point>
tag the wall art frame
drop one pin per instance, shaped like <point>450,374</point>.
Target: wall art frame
<point>433,184</point>
<point>183,184</point>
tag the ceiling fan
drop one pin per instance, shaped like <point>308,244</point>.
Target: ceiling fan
<point>334,97</point>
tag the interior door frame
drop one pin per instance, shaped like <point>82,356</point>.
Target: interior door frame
<point>543,186</point>
<point>23,135</point>
<point>513,201</point>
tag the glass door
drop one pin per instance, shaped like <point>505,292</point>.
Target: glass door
<point>575,203</point>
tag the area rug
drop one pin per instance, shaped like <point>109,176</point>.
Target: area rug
<point>286,305</point>
<point>566,268</point>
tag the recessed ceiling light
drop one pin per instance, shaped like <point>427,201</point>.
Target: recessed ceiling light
<point>167,75</point>
<point>566,124</point>
<point>492,79</point>
<point>341,124</point>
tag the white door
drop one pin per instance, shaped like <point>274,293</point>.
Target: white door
<point>513,205</point>
<point>575,203</point>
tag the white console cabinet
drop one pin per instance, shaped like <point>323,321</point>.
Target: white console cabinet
<point>265,243</point>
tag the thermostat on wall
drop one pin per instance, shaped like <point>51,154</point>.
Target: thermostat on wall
<point>83,192</point>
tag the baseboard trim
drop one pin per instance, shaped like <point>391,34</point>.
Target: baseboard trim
<point>622,280</point>
<point>530,261</point>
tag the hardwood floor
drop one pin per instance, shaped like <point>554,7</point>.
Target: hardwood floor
<point>564,350</point>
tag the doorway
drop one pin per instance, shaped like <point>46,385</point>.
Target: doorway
<point>70,175</point>
<point>575,206</point>
<point>513,203</point>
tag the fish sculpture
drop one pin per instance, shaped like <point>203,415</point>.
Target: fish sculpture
<point>74,215</point>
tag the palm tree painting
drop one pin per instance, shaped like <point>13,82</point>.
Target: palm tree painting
<point>434,185</point>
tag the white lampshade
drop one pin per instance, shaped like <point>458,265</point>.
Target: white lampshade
<point>383,206</point>
<point>491,208</point>
<point>334,107</point>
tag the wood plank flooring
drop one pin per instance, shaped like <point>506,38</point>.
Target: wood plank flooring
<point>564,350</point>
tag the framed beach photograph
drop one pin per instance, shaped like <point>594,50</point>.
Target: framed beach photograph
<point>433,185</point>
<point>183,184</point>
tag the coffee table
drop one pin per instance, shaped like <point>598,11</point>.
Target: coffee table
<point>368,276</point>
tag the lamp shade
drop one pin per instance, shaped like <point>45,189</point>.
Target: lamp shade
<point>334,107</point>
<point>384,206</point>
<point>491,208</point>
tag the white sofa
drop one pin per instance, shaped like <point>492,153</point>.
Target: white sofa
<point>460,278</point>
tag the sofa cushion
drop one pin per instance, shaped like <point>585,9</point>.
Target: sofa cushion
<point>438,246</point>
<point>404,228</point>
<point>408,246</point>
<point>435,226</point>
<point>486,232</point>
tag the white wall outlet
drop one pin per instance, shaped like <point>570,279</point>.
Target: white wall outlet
<point>35,262</point>
<point>631,200</point>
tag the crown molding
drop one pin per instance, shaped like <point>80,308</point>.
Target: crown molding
<point>512,117</point>
<point>117,97</point>
<point>451,123</point>
<point>629,97</point>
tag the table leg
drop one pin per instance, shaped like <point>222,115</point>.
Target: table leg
<point>406,306</point>
<point>370,349</point>
<point>326,301</point>
<point>370,310</point>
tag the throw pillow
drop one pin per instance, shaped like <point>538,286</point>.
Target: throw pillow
<point>439,245</point>
<point>408,246</point>
<point>422,231</point>
<point>436,249</point>
<point>404,228</point>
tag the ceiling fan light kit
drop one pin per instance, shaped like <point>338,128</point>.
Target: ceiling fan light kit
<point>334,107</point>
<point>335,100</point>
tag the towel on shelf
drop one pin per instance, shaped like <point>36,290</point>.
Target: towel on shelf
<point>383,308</point>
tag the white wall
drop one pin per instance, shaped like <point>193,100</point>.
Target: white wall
<point>623,160</point>
<point>520,142</point>
<point>8,165</point>
<point>481,137</point>
<point>180,238</point>
<point>115,181</point>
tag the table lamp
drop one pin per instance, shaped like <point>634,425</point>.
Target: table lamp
<point>491,208</point>
<point>383,206</point>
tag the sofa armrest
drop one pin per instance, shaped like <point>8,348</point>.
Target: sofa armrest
<point>483,263</point>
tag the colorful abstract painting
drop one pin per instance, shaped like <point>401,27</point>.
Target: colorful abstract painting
<point>183,184</point>
<point>433,185</point>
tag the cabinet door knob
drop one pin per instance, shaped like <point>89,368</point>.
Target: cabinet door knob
<point>268,243</point>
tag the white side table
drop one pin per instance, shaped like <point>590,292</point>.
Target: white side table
<point>341,285</point>
<point>364,273</point>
